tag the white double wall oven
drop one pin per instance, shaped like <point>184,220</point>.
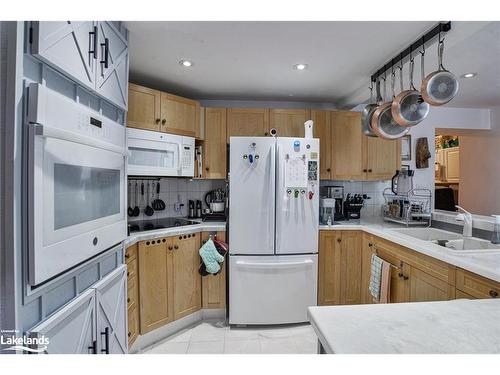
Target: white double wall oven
<point>76,183</point>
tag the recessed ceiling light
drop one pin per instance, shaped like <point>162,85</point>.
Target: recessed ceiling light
<point>300,66</point>
<point>469,75</point>
<point>186,63</point>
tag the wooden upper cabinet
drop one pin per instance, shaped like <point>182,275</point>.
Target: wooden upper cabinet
<point>322,130</point>
<point>383,158</point>
<point>329,267</point>
<point>247,122</point>
<point>215,150</point>
<point>155,284</point>
<point>289,122</point>
<point>348,146</point>
<point>451,158</point>
<point>187,280</point>
<point>143,108</point>
<point>179,115</point>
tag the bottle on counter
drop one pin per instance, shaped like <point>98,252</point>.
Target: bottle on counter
<point>495,238</point>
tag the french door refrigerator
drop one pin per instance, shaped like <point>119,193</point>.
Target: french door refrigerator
<point>273,229</point>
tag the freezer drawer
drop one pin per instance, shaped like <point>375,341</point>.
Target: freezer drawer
<point>272,289</point>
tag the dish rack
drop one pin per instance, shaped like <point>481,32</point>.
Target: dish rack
<point>412,208</point>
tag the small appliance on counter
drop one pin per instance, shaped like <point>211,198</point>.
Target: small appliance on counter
<point>216,203</point>
<point>332,204</point>
<point>402,181</point>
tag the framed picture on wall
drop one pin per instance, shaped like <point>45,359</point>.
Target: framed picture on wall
<point>406,147</point>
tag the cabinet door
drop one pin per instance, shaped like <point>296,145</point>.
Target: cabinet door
<point>179,115</point>
<point>143,108</point>
<point>112,70</point>
<point>247,122</point>
<point>383,158</point>
<point>72,329</point>
<point>111,312</point>
<point>366,267</point>
<point>213,287</point>
<point>155,284</point>
<point>452,164</point>
<point>348,146</point>
<point>322,130</point>
<point>462,295</point>
<point>288,122</point>
<point>400,287</point>
<point>68,47</point>
<point>329,275</point>
<point>215,152</point>
<point>132,293</point>
<point>187,280</point>
<point>477,286</point>
<point>424,287</point>
<point>350,279</point>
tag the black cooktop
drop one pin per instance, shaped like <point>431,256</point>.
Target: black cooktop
<point>154,224</point>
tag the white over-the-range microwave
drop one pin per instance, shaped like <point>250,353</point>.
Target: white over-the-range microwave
<point>159,154</point>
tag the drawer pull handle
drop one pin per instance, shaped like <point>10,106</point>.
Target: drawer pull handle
<point>129,334</point>
<point>493,293</point>
<point>402,276</point>
<point>170,247</point>
<point>128,300</point>
<point>127,256</point>
<point>339,240</point>
<point>176,247</point>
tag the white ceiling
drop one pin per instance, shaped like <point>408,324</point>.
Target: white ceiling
<point>253,60</point>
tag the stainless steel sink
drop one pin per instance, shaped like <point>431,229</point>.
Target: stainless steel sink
<point>429,234</point>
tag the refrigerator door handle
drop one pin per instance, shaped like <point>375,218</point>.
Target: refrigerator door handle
<point>244,264</point>
<point>272,222</point>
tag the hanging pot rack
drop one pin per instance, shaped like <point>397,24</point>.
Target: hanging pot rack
<point>440,28</point>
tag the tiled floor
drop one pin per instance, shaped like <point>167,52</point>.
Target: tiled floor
<point>214,337</point>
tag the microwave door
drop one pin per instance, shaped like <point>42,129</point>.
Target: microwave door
<point>152,158</point>
<point>76,203</point>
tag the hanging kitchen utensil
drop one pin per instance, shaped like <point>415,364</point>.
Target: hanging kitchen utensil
<point>440,86</point>
<point>383,123</point>
<point>408,108</point>
<point>367,113</point>
<point>158,204</point>
<point>137,211</point>
<point>130,210</point>
<point>148,211</point>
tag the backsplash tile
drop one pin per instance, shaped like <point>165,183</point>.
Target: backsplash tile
<point>172,190</point>
<point>373,189</point>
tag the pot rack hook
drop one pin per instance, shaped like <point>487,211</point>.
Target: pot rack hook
<point>423,45</point>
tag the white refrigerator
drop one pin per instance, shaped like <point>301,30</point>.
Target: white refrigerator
<point>273,229</point>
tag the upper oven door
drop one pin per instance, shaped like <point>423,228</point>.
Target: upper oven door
<point>77,206</point>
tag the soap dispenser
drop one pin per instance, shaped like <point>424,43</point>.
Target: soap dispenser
<point>495,238</point>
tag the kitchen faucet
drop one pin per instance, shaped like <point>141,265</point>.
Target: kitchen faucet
<point>466,217</point>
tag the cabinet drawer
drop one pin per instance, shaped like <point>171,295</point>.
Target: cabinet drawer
<point>133,325</point>
<point>132,268</point>
<point>461,295</point>
<point>132,292</point>
<point>131,253</point>
<point>477,286</point>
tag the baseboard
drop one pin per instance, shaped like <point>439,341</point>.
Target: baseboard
<point>144,341</point>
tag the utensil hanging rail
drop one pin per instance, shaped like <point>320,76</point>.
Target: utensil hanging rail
<point>441,27</point>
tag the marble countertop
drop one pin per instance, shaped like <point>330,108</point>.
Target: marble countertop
<point>484,264</point>
<point>458,326</point>
<point>207,226</point>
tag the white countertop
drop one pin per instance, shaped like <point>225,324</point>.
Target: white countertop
<point>459,326</point>
<point>207,226</point>
<point>487,265</point>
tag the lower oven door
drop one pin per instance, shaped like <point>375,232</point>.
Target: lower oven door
<point>76,200</point>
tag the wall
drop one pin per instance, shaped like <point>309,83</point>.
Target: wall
<point>3,79</point>
<point>480,169</point>
<point>173,190</point>
<point>265,104</point>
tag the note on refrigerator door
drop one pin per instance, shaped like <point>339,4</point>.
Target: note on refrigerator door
<point>295,172</point>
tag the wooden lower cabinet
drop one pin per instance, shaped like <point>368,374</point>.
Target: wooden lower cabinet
<point>156,303</point>
<point>367,249</point>
<point>424,287</point>
<point>340,256</point>
<point>186,279</point>
<point>462,295</point>
<point>132,293</point>
<point>476,286</point>
<point>213,287</point>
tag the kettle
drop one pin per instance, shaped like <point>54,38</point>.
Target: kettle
<point>402,181</point>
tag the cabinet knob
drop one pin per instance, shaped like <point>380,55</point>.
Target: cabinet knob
<point>128,273</point>
<point>176,247</point>
<point>369,171</point>
<point>170,247</point>
<point>364,170</point>
<point>328,169</point>
<point>207,169</point>
<point>266,133</point>
<point>402,276</point>
<point>163,122</point>
<point>129,334</point>
<point>127,256</point>
<point>493,293</point>
<point>339,240</point>
<point>128,300</point>
<point>370,244</point>
<point>157,121</point>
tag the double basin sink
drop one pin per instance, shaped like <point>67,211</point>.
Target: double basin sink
<point>452,241</point>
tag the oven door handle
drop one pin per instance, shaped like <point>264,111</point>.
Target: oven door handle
<point>48,132</point>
